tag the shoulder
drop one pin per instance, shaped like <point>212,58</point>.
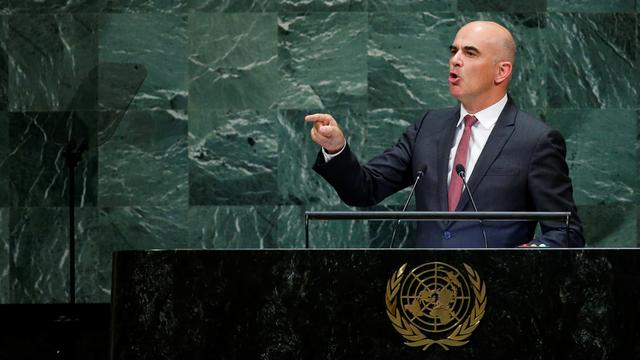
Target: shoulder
<point>439,116</point>
<point>536,129</point>
<point>527,123</point>
<point>529,129</point>
<point>531,122</point>
<point>439,113</point>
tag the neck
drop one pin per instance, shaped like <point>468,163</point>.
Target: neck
<point>477,105</point>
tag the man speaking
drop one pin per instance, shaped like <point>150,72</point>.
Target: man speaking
<point>511,160</point>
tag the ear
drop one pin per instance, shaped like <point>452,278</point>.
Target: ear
<point>503,71</point>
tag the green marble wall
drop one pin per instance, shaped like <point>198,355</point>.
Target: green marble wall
<point>193,110</point>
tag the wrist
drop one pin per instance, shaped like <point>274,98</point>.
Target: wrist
<point>330,155</point>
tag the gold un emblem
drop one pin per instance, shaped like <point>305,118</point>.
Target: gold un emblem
<point>432,304</point>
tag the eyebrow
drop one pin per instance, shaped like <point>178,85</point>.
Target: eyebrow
<point>466,48</point>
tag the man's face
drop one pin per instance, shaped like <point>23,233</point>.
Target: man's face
<point>472,66</point>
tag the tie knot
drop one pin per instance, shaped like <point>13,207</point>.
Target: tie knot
<point>469,120</point>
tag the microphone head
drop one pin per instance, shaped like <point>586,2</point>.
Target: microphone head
<point>460,170</point>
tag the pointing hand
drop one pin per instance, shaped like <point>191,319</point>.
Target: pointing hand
<point>326,132</point>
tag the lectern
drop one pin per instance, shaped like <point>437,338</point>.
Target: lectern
<point>376,304</point>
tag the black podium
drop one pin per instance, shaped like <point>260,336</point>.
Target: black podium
<point>376,304</point>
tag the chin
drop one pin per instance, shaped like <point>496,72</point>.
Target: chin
<point>455,94</point>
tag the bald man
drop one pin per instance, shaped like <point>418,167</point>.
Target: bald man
<point>511,160</point>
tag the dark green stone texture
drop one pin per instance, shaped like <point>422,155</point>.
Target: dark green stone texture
<point>193,115</point>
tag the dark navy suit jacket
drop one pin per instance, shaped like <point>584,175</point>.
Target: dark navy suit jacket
<point>521,168</point>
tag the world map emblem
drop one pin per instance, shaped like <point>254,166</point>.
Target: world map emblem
<point>435,303</point>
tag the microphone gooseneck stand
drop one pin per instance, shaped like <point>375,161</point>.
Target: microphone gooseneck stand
<point>419,175</point>
<point>461,171</point>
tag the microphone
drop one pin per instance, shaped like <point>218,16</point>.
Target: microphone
<point>419,175</point>
<point>460,170</point>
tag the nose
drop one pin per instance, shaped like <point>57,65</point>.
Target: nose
<point>455,59</point>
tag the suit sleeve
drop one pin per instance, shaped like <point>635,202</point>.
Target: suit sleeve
<point>551,190</point>
<point>367,185</point>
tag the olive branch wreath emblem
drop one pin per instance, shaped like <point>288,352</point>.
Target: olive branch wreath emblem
<point>413,335</point>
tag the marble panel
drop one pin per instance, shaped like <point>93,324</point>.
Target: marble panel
<point>592,6</point>
<point>51,6</point>
<point>591,60</point>
<point>233,61</point>
<point>36,161</point>
<point>603,168</point>
<point>149,6</point>
<point>610,225</point>
<point>4,64</point>
<point>517,6</point>
<point>4,157</point>
<point>5,282</point>
<point>381,233</point>
<point>39,253</point>
<point>120,83</point>
<point>384,128</point>
<point>233,157</point>
<point>112,229</point>
<point>231,6</point>
<point>52,59</point>
<point>161,52</point>
<point>290,230</point>
<point>322,5</point>
<point>322,233</point>
<point>144,161</point>
<point>38,243</point>
<point>322,58</point>
<point>333,234</point>
<point>408,59</point>
<point>387,6</point>
<point>298,184</point>
<point>232,227</point>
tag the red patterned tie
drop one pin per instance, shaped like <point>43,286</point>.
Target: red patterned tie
<point>455,185</point>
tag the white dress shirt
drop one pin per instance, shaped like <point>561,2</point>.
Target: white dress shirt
<point>480,132</point>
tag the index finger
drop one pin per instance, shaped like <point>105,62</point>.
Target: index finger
<point>324,119</point>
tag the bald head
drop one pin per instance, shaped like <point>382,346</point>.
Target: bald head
<point>497,34</point>
<point>481,64</point>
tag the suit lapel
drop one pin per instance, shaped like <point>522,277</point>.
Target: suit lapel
<point>501,133</point>
<point>444,149</point>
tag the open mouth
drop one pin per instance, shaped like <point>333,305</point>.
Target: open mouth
<point>453,76</point>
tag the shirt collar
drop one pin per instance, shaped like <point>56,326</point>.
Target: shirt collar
<point>486,117</point>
